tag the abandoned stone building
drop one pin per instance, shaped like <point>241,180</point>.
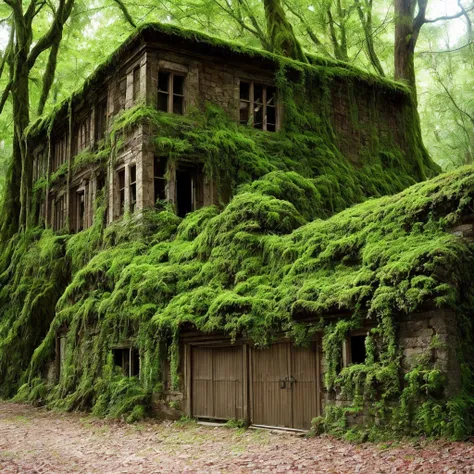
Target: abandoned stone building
<point>176,74</point>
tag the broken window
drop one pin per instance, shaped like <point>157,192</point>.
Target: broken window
<point>128,359</point>
<point>258,106</point>
<point>101,120</point>
<point>171,92</point>
<point>189,188</point>
<point>136,83</point>
<point>160,178</point>
<point>121,183</point>
<point>84,135</point>
<point>358,351</point>
<point>133,188</point>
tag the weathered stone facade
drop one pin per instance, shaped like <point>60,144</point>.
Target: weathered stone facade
<point>362,116</point>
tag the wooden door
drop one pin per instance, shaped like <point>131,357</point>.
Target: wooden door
<point>304,389</point>
<point>284,386</point>
<point>217,382</point>
<point>271,402</point>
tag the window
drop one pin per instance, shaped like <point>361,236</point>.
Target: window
<point>121,183</point>
<point>160,179</point>
<point>133,188</point>
<point>84,135</point>
<point>59,214</point>
<point>170,92</point>
<point>128,360</point>
<point>358,352</point>
<point>136,83</point>
<point>80,211</point>
<point>60,153</point>
<point>258,106</point>
<point>101,119</point>
<point>189,188</point>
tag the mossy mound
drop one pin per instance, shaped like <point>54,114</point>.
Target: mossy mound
<point>256,268</point>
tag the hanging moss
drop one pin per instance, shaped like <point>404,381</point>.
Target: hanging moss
<point>303,235</point>
<point>252,269</point>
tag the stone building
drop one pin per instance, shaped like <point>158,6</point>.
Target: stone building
<point>175,72</point>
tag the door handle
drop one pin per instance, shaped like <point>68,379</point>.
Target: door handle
<point>291,380</point>
<point>283,382</point>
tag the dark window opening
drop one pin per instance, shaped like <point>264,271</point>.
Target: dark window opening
<point>258,106</point>
<point>136,83</point>
<point>101,120</point>
<point>133,188</point>
<point>358,351</point>
<point>185,183</point>
<point>170,92</point>
<point>84,135</point>
<point>128,360</point>
<point>60,153</point>
<point>121,182</point>
<point>81,210</point>
<point>160,179</point>
<point>59,214</point>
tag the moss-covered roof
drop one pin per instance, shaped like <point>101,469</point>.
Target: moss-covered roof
<point>213,45</point>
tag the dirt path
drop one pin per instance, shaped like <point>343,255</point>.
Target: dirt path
<point>34,441</point>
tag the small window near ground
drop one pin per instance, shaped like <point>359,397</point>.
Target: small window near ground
<point>258,106</point>
<point>133,188</point>
<point>171,92</point>
<point>128,360</point>
<point>121,183</point>
<point>160,178</point>
<point>358,352</point>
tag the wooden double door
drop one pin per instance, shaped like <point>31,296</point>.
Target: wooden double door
<point>275,386</point>
<point>284,386</point>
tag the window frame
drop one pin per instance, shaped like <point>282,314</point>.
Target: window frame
<point>132,188</point>
<point>347,346</point>
<point>251,104</point>
<point>170,92</point>
<point>84,134</point>
<point>121,190</point>
<point>136,77</point>
<point>133,359</point>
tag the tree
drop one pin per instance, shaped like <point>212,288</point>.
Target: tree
<point>407,30</point>
<point>282,37</point>
<point>21,56</point>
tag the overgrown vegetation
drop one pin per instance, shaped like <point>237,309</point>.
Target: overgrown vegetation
<point>254,269</point>
<point>287,245</point>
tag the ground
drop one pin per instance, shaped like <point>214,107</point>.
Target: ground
<point>34,441</point>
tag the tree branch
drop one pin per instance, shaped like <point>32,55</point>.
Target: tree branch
<point>4,98</point>
<point>450,17</point>
<point>48,77</point>
<point>448,50</point>
<point>125,12</point>
<point>56,29</point>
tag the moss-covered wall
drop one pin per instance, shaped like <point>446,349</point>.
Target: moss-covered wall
<point>296,234</point>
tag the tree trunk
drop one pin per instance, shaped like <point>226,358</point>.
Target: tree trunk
<point>280,31</point>
<point>405,41</point>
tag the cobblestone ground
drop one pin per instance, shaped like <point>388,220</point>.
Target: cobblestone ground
<point>34,441</point>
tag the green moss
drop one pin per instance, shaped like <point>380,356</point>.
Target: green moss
<point>254,269</point>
